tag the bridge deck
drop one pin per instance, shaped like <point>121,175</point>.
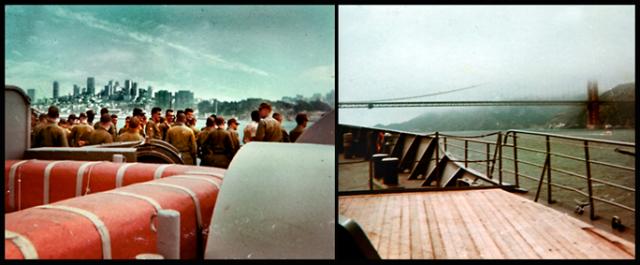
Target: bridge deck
<point>476,224</point>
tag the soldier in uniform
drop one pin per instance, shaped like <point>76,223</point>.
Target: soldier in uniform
<point>183,139</point>
<point>80,133</point>
<point>285,135</point>
<point>301,120</point>
<point>114,121</point>
<point>126,126</point>
<point>202,136</point>
<point>219,146</point>
<point>268,127</point>
<point>112,129</point>
<point>101,135</point>
<point>152,130</point>
<point>132,132</point>
<point>51,135</point>
<point>191,121</point>
<point>142,119</point>
<point>90,116</point>
<point>166,124</point>
<point>64,124</point>
<point>42,121</point>
<point>251,128</point>
<point>232,127</point>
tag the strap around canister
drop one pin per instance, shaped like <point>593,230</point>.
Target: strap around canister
<point>12,185</point>
<point>199,178</point>
<point>159,170</point>
<point>150,200</point>
<point>47,177</point>
<point>102,229</point>
<point>196,202</point>
<point>198,172</point>
<point>24,244</point>
<point>80,177</point>
<point>120,174</point>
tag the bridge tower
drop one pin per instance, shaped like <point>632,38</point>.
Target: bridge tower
<point>593,107</point>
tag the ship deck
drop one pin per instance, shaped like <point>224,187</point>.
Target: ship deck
<point>476,224</point>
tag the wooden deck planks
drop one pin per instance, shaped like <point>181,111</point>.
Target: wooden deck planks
<point>487,224</point>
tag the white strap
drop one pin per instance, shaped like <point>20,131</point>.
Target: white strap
<point>12,185</point>
<point>198,178</point>
<point>196,172</point>
<point>24,244</point>
<point>150,200</point>
<point>102,229</point>
<point>80,177</point>
<point>160,170</point>
<point>196,202</point>
<point>120,174</point>
<point>47,177</point>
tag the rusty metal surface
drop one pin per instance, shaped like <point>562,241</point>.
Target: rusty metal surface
<point>277,202</point>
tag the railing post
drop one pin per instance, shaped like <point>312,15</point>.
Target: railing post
<point>466,153</point>
<point>499,150</point>
<point>549,199</point>
<point>445,144</point>
<point>592,213</point>
<point>488,158</point>
<point>371,174</point>
<point>515,158</point>
<point>437,149</point>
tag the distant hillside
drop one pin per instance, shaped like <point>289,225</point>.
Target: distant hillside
<point>501,118</point>
<point>619,115</point>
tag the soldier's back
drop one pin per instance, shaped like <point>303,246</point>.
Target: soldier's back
<point>183,139</point>
<point>295,133</point>
<point>129,136</point>
<point>220,147</point>
<point>51,135</point>
<point>269,130</point>
<point>100,136</point>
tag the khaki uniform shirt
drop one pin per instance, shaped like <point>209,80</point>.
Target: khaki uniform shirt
<point>269,130</point>
<point>295,133</point>
<point>51,135</point>
<point>100,136</point>
<point>235,140</point>
<point>163,127</point>
<point>112,129</point>
<point>152,130</point>
<point>219,148</point>
<point>200,138</point>
<point>183,139</point>
<point>80,134</point>
<point>129,135</point>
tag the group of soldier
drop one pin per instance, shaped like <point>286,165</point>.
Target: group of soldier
<point>213,144</point>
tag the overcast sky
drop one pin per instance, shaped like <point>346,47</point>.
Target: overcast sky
<point>534,52</point>
<point>225,52</point>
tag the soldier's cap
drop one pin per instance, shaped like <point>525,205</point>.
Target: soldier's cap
<point>233,120</point>
<point>138,112</point>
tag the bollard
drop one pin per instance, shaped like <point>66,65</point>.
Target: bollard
<point>376,159</point>
<point>169,234</point>
<point>389,170</point>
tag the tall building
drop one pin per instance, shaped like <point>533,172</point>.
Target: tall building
<point>32,94</point>
<point>150,92</point>
<point>134,90</point>
<point>163,99</point>
<point>56,89</point>
<point>76,90</point>
<point>91,86</point>
<point>184,99</point>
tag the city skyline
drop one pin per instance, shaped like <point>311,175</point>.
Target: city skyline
<point>220,52</point>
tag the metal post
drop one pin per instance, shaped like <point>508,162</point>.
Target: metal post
<point>515,158</point>
<point>488,158</point>
<point>371,161</point>
<point>546,164</point>
<point>168,242</point>
<point>445,144</point>
<point>466,153</point>
<point>592,213</point>
<point>549,200</point>
<point>499,149</point>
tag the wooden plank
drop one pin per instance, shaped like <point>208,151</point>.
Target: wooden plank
<point>377,229</point>
<point>383,248</point>
<point>394,245</point>
<point>487,248</point>
<point>527,229</point>
<point>463,231</point>
<point>436,237</point>
<point>508,231</point>
<point>405,229</point>
<point>540,226</point>
<point>453,243</point>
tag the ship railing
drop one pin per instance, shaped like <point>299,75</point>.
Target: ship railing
<point>508,141</point>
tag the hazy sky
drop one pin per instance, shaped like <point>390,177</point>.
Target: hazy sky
<point>216,51</point>
<point>530,52</point>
